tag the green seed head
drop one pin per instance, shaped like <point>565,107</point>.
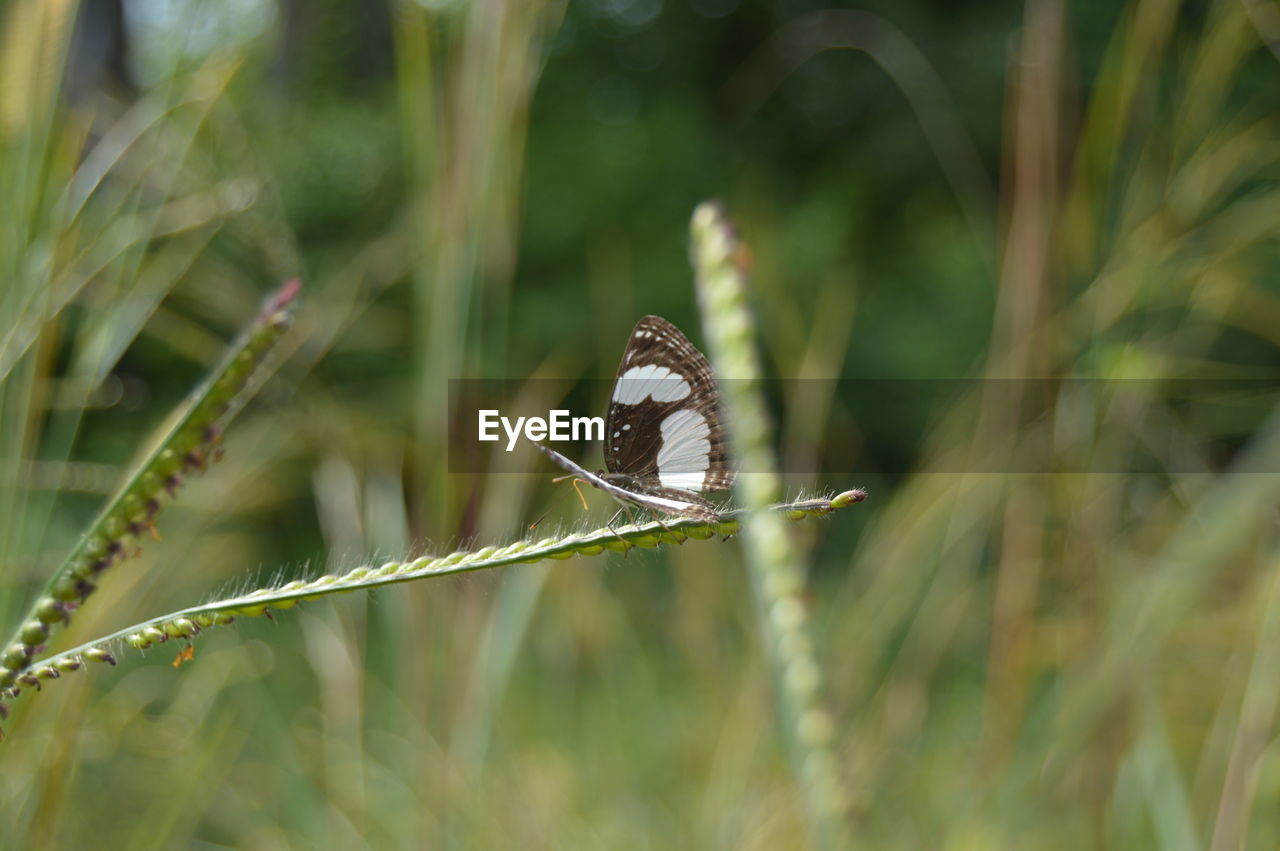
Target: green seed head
<point>50,611</point>
<point>115,527</point>
<point>181,628</point>
<point>35,632</point>
<point>97,654</point>
<point>67,589</point>
<point>17,657</point>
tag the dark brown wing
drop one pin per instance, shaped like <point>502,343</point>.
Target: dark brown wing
<point>664,426</point>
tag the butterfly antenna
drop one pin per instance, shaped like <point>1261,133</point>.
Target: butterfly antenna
<point>578,491</point>
<point>576,481</point>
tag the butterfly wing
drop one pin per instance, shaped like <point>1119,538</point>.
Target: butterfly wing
<point>664,425</point>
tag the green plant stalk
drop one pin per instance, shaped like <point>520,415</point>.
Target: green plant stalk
<point>777,575</point>
<point>186,448</point>
<point>185,624</point>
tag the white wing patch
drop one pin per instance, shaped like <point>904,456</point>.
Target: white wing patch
<point>684,456</point>
<point>641,382</point>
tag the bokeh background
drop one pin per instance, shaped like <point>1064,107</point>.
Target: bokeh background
<point>499,190</point>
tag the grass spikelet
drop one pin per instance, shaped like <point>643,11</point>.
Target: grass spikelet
<point>130,516</point>
<point>720,261</point>
<point>186,624</point>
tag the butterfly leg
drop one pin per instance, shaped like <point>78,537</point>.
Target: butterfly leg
<point>626,545</point>
<point>679,539</point>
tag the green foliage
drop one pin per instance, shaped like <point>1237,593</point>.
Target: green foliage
<point>475,190</point>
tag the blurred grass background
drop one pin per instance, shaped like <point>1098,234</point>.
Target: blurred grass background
<point>499,190</point>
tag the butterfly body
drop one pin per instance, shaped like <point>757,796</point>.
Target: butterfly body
<point>664,438</point>
<point>696,507</point>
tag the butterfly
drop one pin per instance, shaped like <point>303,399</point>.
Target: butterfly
<point>663,438</point>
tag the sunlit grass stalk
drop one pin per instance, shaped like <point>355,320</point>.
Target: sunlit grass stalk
<point>185,624</point>
<point>777,574</point>
<point>1254,725</point>
<point>132,512</point>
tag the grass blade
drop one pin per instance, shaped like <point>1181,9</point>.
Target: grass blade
<point>185,624</point>
<point>777,572</point>
<point>131,513</point>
